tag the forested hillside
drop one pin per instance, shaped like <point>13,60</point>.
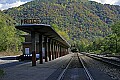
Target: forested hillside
<point>87,23</point>
<point>78,18</point>
<point>9,36</point>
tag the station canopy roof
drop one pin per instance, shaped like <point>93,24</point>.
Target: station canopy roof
<point>45,30</point>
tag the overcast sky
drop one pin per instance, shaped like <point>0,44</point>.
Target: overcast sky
<point>112,2</point>
<point>5,4</point>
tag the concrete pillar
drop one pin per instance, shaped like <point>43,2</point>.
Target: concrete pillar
<point>46,49</point>
<point>40,48</point>
<point>33,48</point>
<point>55,49</point>
<point>60,51</point>
<point>63,51</point>
<point>67,50</point>
<point>52,49</point>
<point>49,49</point>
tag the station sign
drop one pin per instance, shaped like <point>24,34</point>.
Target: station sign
<point>30,21</point>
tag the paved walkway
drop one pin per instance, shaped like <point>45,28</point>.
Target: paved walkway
<point>10,61</point>
<point>45,71</point>
<point>40,72</point>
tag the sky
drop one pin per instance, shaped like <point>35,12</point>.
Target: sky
<point>112,2</point>
<point>5,4</point>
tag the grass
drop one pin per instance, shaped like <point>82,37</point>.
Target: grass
<point>1,72</point>
<point>10,53</point>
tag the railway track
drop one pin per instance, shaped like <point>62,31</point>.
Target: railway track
<point>75,70</point>
<point>106,60</point>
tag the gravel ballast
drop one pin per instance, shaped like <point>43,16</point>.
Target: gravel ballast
<point>109,70</point>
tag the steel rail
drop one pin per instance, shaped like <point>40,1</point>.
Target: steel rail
<point>88,75</point>
<point>86,70</point>
<point>104,60</point>
<point>63,72</point>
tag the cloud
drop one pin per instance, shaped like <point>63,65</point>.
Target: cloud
<point>7,1</point>
<point>0,5</point>
<point>4,6</point>
<point>112,2</point>
<point>117,3</point>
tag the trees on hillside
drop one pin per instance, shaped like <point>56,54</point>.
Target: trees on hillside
<point>59,31</point>
<point>9,38</point>
<point>82,18</point>
<point>109,44</point>
<point>116,33</point>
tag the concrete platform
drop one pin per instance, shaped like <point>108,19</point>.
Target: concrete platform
<point>47,71</point>
<point>39,72</point>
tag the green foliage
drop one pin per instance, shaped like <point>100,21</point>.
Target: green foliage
<point>116,35</point>
<point>78,18</point>
<point>116,28</point>
<point>59,31</point>
<point>97,51</point>
<point>87,23</point>
<point>110,44</point>
<point>9,40</point>
<point>82,44</point>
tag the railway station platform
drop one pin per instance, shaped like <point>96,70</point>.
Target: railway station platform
<point>45,41</point>
<point>46,71</point>
<point>39,72</point>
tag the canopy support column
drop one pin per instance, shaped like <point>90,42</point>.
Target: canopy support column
<point>46,49</point>
<point>52,48</point>
<point>56,49</point>
<point>33,48</point>
<point>40,48</point>
<point>49,48</point>
<point>60,51</point>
